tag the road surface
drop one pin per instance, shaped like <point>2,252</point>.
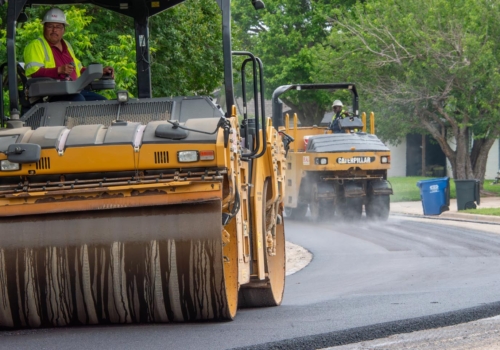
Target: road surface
<point>366,280</point>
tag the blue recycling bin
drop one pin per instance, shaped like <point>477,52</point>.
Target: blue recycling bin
<point>435,195</point>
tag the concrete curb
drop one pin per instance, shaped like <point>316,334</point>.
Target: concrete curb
<point>414,209</point>
<point>483,219</point>
<point>472,217</point>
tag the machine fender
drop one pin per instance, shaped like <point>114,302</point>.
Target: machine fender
<point>354,189</point>
<point>379,188</point>
<point>325,190</point>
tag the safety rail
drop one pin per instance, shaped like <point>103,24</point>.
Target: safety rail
<point>257,83</point>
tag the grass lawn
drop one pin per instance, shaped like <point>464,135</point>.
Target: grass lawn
<point>485,211</point>
<point>405,189</point>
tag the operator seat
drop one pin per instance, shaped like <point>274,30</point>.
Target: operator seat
<point>35,89</point>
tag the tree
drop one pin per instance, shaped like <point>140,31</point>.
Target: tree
<point>188,41</point>
<point>433,65</point>
<point>283,35</point>
<point>185,42</point>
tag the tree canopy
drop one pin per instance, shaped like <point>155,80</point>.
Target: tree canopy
<point>186,46</point>
<point>429,65</point>
<point>283,35</point>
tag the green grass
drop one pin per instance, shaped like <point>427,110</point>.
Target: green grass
<point>405,189</point>
<point>485,211</point>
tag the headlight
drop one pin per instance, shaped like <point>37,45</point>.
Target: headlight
<point>122,96</point>
<point>187,156</point>
<point>5,165</point>
<point>321,161</point>
<point>385,159</point>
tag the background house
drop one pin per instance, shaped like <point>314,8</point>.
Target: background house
<point>406,157</point>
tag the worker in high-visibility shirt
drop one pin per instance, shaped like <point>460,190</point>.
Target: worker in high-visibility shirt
<point>53,57</point>
<point>338,113</point>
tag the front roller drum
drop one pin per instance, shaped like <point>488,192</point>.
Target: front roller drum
<point>149,264</point>
<point>270,292</point>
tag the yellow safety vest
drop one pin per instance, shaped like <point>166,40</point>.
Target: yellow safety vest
<point>342,115</point>
<point>38,54</point>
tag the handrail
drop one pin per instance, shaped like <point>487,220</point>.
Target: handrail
<point>372,123</point>
<point>259,119</point>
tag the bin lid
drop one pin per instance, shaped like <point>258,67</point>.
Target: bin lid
<point>426,182</point>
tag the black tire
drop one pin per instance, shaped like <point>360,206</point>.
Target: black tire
<point>378,207</point>
<point>470,205</point>
<point>323,210</point>
<point>351,209</point>
<point>298,213</point>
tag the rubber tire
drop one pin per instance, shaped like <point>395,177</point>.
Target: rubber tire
<point>470,205</point>
<point>322,210</point>
<point>298,213</point>
<point>351,209</point>
<point>378,207</point>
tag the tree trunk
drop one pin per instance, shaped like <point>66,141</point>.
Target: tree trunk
<point>464,164</point>
<point>479,157</point>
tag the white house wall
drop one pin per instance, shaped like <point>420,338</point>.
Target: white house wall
<point>493,164</point>
<point>398,159</point>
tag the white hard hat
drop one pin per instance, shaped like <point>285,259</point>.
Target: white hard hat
<point>55,15</point>
<point>337,103</point>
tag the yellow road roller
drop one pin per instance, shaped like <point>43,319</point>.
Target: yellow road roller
<point>136,209</point>
<point>334,175</point>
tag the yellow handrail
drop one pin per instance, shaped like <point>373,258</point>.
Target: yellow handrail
<point>295,143</point>
<point>372,123</point>
<point>363,119</point>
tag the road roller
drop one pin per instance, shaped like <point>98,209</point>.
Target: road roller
<point>136,209</point>
<point>334,174</point>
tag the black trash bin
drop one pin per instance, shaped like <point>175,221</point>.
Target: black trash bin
<point>468,196</point>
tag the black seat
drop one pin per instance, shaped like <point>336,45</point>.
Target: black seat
<point>33,90</point>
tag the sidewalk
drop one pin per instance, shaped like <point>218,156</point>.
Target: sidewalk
<point>415,209</point>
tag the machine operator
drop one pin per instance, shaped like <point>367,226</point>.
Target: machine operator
<point>338,113</point>
<point>51,56</point>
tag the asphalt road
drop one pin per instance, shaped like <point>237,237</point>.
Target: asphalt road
<point>366,280</point>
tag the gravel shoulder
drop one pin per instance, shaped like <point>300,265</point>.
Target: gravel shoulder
<point>482,334</point>
<point>297,258</point>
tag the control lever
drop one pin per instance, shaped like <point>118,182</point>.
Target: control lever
<point>68,77</point>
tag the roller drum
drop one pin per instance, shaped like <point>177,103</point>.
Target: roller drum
<point>129,265</point>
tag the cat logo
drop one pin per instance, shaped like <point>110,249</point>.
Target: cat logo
<point>355,160</point>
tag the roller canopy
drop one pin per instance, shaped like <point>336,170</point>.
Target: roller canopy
<point>131,8</point>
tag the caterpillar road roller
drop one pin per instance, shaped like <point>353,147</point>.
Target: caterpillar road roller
<point>334,174</point>
<point>136,209</point>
